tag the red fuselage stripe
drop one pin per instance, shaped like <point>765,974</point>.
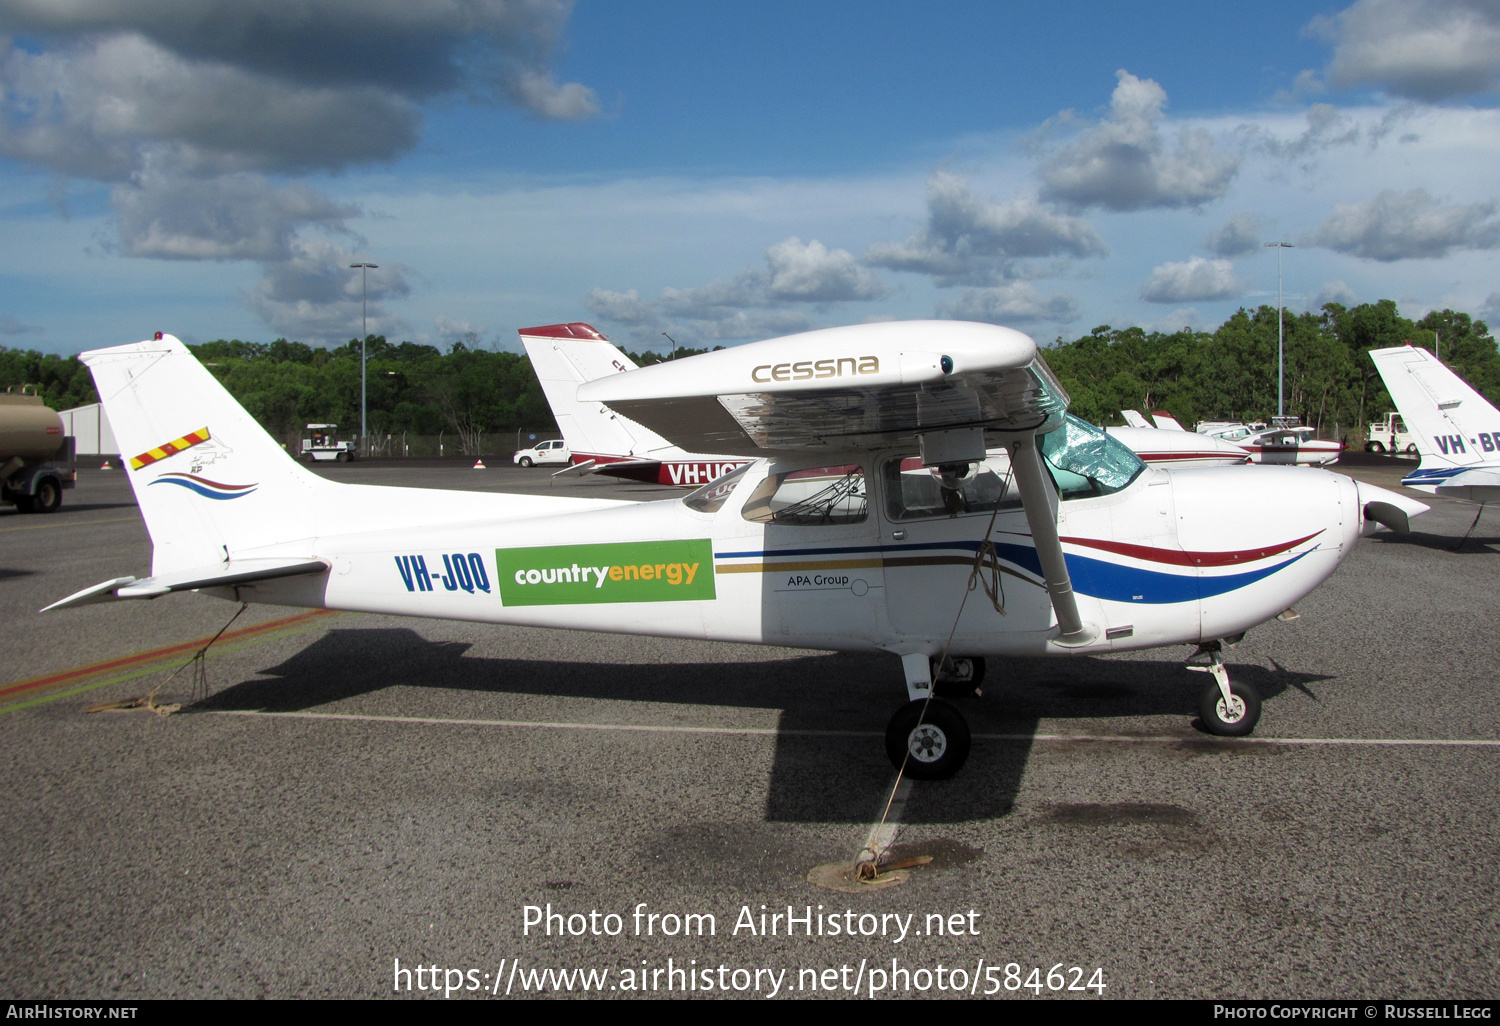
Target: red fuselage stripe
<point>1178,557</point>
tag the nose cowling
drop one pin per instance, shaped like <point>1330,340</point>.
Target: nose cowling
<point>1262,537</point>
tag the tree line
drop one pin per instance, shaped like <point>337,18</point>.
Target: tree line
<point>469,391</point>
<point>1230,373</point>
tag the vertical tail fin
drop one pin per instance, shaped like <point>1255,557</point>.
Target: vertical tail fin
<point>567,355</point>
<point>1453,424</point>
<point>210,481</point>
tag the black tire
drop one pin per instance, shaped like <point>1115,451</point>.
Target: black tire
<point>963,678</point>
<point>1229,723</point>
<point>933,733</point>
<point>1411,449</point>
<point>526,461</point>
<point>47,498</point>
<point>342,457</point>
<point>1375,447</point>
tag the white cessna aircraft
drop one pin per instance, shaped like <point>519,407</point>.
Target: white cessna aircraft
<point>1457,429</point>
<point>827,539</point>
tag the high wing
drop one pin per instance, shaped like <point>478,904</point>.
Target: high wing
<point>860,387</point>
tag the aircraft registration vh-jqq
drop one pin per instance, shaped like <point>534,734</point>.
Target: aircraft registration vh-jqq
<point>895,468</point>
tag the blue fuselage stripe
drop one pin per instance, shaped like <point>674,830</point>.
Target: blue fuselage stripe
<point>1098,578</point>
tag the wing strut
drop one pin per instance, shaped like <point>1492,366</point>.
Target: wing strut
<point>1042,518</point>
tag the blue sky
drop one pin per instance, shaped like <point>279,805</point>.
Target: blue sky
<point>724,172</point>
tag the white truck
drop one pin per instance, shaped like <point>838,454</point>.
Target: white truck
<point>1390,435</point>
<point>36,458</point>
<point>321,446</point>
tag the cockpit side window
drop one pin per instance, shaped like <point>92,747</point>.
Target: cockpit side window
<point>810,496</point>
<point>1087,461</point>
<point>914,492</point>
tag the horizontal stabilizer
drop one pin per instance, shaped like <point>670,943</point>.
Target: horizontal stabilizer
<point>576,469</point>
<point>1478,485</point>
<point>239,571</point>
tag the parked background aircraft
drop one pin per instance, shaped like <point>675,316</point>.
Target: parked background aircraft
<point>1286,445</point>
<point>1457,430</point>
<point>1039,534</point>
<point>565,356</point>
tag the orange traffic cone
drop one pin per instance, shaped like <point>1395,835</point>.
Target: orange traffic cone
<point>479,465</point>
<point>106,466</point>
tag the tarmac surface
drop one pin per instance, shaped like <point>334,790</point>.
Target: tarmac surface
<point>361,797</point>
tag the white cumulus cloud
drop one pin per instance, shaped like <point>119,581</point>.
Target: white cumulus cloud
<point>1013,303</point>
<point>815,274</point>
<point>1334,292</point>
<point>315,296</point>
<point>753,304</point>
<point>231,217</point>
<point>1421,49</point>
<point>1405,226</point>
<point>1190,281</point>
<point>1239,236</point>
<point>1125,163</point>
<point>183,107</point>
<point>970,241</point>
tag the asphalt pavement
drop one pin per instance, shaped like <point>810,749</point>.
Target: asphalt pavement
<point>368,806</point>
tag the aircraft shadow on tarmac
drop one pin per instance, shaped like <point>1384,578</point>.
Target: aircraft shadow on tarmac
<point>814,778</point>
<point>1474,544</point>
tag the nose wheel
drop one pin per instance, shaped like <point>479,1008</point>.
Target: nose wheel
<point>1226,708</point>
<point>929,738</point>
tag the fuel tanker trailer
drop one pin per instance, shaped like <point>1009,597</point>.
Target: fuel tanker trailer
<point>32,447</point>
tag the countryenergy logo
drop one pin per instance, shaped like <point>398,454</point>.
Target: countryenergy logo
<point>671,571</point>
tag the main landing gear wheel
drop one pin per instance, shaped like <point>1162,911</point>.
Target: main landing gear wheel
<point>1235,718</point>
<point>933,734</point>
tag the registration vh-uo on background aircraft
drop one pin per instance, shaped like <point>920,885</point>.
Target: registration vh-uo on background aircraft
<point>890,469</point>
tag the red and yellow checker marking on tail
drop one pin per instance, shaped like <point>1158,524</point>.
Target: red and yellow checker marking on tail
<point>161,452</point>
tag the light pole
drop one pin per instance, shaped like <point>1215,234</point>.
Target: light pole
<point>1280,333</point>
<point>364,304</point>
